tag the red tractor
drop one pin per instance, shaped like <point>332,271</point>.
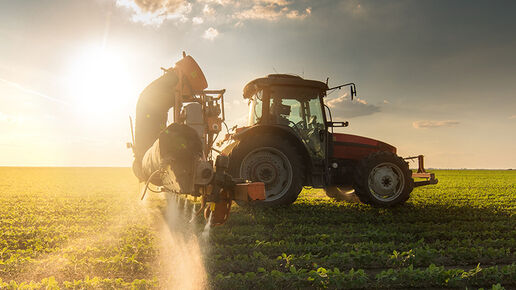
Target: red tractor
<point>290,143</point>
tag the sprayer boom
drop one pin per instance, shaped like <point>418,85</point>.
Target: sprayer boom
<point>180,158</point>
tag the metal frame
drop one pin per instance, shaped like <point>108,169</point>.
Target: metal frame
<point>421,172</point>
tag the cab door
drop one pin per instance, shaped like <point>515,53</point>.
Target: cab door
<point>317,133</point>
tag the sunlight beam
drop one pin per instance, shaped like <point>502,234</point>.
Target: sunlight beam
<point>32,92</point>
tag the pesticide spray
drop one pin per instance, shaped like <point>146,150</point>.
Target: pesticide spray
<point>207,227</point>
<point>183,245</point>
<point>192,218</point>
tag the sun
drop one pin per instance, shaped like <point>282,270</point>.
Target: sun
<point>99,81</point>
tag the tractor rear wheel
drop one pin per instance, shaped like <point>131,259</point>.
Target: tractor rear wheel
<point>273,161</point>
<point>383,179</point>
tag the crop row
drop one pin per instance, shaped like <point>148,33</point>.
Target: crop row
<point>409,277</point>
<point>305,233</point>
<point>129,255</point>
<point>87,283</point>
<point>323,212</point>
<point>326,247</point>
<point>363,259</point>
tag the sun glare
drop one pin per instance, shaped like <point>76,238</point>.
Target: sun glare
<point>99,82</point>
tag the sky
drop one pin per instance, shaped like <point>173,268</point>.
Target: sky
<point>436,78</point>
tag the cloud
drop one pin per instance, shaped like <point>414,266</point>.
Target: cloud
<point>207,10</point>
<point>344,107</point>
<point>197,20</point>
<point>210,33</point>
<point>295,14</point>
<point>271,12</point>
<point>434,124</point>
<point>155,12</point>
<point>220,2</point>
<point>268,12</point>
<point>275,2</point>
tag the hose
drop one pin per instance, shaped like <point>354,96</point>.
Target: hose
<point>148,181</point>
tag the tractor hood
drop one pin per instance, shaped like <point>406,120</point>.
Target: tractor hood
<point>349,146</point>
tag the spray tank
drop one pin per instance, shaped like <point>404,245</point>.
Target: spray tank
<point>178,158</point>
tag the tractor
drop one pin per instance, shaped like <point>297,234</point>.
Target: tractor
<point>289,144</point>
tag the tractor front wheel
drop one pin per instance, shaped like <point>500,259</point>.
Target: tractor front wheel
<point>383,179</point>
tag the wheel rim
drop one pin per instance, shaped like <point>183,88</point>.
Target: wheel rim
<point>386,182</point>
<point>270,166</point>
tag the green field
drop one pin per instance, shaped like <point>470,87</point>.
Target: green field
<point>86,228</point>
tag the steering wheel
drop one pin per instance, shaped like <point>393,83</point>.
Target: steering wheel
<point>297,126</point>
<point>294,125</point>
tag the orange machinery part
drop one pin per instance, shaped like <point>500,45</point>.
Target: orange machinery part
<point>250,191</point>
<point>221,212</point>
<point>243,191</point>
<point>192,73</point>
<point>256,191</point>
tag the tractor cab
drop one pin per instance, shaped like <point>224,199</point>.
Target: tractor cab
<point>290,101</point>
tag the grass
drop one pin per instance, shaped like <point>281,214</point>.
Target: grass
<point>86,228</point>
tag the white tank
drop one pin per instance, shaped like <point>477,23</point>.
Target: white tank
<point>194,118</point>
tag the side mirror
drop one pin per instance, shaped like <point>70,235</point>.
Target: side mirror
<point>352,86</point>
<point>353,91</point>
<point>337,124</point>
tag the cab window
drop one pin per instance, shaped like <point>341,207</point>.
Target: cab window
<point>255,113</point>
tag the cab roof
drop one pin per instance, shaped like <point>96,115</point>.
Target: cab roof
<point>281,80</point>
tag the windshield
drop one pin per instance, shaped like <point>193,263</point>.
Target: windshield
<point>255,113</point>
<point>302,111</point>
<point>297,108</point>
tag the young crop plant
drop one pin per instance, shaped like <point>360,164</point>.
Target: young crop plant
<point>83,228</point>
